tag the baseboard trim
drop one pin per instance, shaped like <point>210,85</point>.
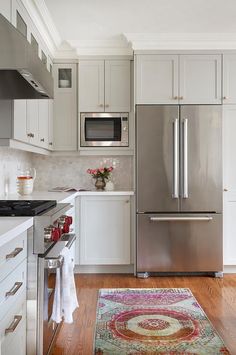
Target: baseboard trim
<point>229,269</point>
<point>104,269</point>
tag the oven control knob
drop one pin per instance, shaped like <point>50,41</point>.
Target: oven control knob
<point>66,228</point>
<point>69,220</point>
<point>56,234</point>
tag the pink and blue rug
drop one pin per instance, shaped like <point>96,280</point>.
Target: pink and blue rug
<point>153,321</point>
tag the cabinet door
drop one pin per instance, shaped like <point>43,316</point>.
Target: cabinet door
<point>65,107</point>
<point>33,121</point>
<point>117,85</point>
<point>43,123</point>
<point>20,121</point>
<point>229,227</point>
<point>156,79</point>
<point>5,9</point>
<point>229,79</point>
<point>91,86</point>
<point>50,125</point>
<point>105,230</point>
<point>200,79</point>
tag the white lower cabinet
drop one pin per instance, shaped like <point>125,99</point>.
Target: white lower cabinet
<point>13,265</point>
<point>104,230</point>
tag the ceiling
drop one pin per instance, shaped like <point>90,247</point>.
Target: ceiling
<point>108,19</point>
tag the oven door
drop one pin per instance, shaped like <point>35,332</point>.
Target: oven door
<point>46,287</point>
<point>103,129</point>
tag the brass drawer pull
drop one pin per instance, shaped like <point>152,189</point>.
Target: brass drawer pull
<point>13,325</point>
<point>14,253</point>
<point>14,289</point>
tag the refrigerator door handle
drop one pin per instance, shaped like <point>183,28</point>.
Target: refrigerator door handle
<point>180,219</point>
<point>175,193</point>
<point>185,158</point>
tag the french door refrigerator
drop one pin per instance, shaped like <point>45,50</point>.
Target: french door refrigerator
<point>179,189</point>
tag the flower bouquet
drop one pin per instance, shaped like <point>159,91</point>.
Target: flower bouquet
<point>100,174</point>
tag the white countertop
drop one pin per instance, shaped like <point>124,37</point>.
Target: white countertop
<point>11,227</point>
<point>65,197</point>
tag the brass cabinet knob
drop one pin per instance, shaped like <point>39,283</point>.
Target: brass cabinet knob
<point>225,189</point>
<point>175,97</point>
<point>181,98</point>
<point>50,143</point>
<point>100,105</point>
<point>225,98</point>
<point>42,140</point>
<point>106,105</point>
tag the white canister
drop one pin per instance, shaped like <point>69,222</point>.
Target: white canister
<point>109,186</point>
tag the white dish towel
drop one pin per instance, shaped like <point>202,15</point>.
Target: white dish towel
<point>65,298</point>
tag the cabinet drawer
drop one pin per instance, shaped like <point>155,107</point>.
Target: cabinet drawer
<point>12,287</point>
<point>12,254</point>
<point>13,330</point>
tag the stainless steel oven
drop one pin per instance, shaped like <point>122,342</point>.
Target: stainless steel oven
<point>47,279</point>
<point>104,130</point>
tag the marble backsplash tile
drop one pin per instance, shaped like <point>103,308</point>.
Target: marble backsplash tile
<point>71,171</point>
<point>10,161</point>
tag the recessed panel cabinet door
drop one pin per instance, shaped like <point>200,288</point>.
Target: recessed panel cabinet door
<point>229,79</point>
<point>105,230</point>
<point>33,121</point>
<point>20,121</point>
<point>43,123</point>
<point>200,79</point>
<point>91,86</point>
<point>117,85</point>
<point>65,107</point>
<point>157,79</point>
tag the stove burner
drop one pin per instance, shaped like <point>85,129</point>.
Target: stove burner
<point>25,207</point>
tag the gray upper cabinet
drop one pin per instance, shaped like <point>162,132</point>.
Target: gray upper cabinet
<point>65,107</point>
<point>171,79</point>
<point>104,86</point>
<point>200,79</point>
<point>156,79</point>
<point>229,79</point>
<point>117,85</point>
<point>91,86</point>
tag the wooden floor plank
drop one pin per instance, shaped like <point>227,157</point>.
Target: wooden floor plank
<point>216,296</point>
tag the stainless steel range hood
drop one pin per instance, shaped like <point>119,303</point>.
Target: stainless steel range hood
<point>22,73</point>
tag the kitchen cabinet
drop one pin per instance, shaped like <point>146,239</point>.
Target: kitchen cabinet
<point>104,230</point>
<point>20,121</point>
<point>13,265</point>
<point>229,184</point>
<point>178,79</point>
<point>50,125</point>
<point>65,107</point>
<point>32,113</point>
<point>157,79</point>
<point>104,86</point>
<point>43,117</point>
<point>5,9</point>
<point>200,79</point>
<point>229,79</point>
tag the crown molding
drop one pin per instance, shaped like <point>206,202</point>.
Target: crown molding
<point>181,41</point>
<point>101,47</point>
<point>42,19</point>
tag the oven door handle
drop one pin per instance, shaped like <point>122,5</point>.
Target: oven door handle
<point>53,263</point>
<point>69,238</point>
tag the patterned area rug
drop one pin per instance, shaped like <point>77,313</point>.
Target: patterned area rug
<point>153,321</point>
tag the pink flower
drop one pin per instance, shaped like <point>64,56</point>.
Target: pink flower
<point>89,171</point>
<point>110,169</point>
<point>101,170</point>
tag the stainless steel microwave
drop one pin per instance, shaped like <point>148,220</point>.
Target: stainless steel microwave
<point>104,130</point>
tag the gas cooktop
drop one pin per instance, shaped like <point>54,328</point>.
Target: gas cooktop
<point>25,207</point>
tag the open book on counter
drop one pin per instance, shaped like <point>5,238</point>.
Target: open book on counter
<point>66,189</point>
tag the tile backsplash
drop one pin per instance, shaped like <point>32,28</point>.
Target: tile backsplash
<point>10,161</point>
<point>61,171</point>
<point>71,171</point>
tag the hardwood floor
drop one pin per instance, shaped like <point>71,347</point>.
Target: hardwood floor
<point>216,296</point>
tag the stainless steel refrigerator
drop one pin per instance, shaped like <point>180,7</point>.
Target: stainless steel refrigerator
<point>179,189</point>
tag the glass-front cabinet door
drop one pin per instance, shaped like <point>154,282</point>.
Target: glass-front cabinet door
<point>64,78</point>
